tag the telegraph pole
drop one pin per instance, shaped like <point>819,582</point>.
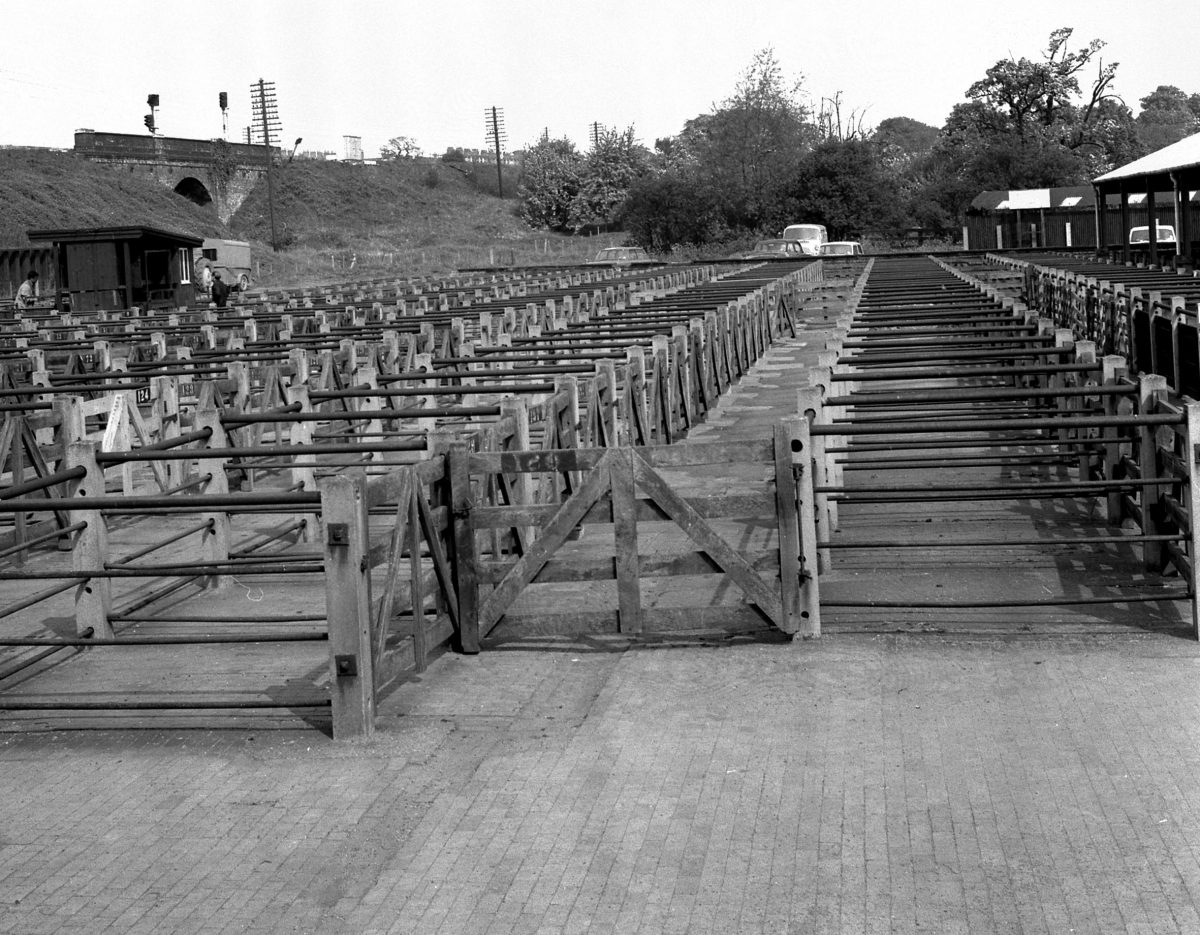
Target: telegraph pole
<point>495,121</point>
<point>269,117</point>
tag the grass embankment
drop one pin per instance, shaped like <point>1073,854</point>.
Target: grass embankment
<point>340,221</point>
<point>334,221</point>
<point>42,188</point>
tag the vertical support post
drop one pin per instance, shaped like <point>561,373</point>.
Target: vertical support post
<point>1124,226</point>
<point>1114,373</point>
<point>415,575</point>
<point>811,408</point>
<point>1191,457</point>
<point>300,438</point>
<point>794,474</point>
<point>1151,389</point>
<point>1085,356</point>
<point>215,542</point>
<point>466,585</point>
<point>348,605</point>
<point>522,485</point>
<point>625,536</point>
<point>93,596</point>
<point>1152,219</point>
<point>787,521</point>
<point>568,426</point>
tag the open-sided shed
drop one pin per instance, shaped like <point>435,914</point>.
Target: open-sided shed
<point>1169,178</point>
<point>121,267</point>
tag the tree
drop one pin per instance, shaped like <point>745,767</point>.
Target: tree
<point>399,147</point>
<point>1028,124</point>
<point>608,171</point>
<point>832,124</point>
<point>670,208</point>
<point>1167,116</point>
<point>901,141</point>
<point>551,176</point>
<point>844,185</point>
<point>748,149</point>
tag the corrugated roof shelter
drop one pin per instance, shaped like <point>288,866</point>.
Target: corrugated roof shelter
<point>1167,177</point>
<point>121,267</point>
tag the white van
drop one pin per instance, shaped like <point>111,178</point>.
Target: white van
<point>811,236</point>
<point>230,258</point>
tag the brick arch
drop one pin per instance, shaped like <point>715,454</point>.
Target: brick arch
<point>194,190</point>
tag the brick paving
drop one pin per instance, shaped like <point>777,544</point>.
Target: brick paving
<point>872,783</point>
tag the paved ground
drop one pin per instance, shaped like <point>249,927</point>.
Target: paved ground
<point>869,782</point>
<point>857,784</point>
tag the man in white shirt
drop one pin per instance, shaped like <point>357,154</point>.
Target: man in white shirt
<point>27,292</point>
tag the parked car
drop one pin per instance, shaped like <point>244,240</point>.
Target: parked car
<point>775,250</point>
<point>810,236</point>
<point>621,256</point>
<point>842,248</point>
<point>1165,235</point>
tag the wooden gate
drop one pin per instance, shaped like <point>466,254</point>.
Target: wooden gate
<point>580,518</point>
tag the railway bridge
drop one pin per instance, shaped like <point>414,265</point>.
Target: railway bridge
<point>206,172</point>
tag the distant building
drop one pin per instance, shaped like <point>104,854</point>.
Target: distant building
<point>354,150</point>
<point>1056,217</point>
<point>1035,217</point>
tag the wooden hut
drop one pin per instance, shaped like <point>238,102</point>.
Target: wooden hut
<point>121,267</point>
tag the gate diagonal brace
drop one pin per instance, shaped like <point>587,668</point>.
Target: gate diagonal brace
<point>693,524</point>
<point>595,485</point>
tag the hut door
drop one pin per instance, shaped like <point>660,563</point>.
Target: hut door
<point>158,276</point>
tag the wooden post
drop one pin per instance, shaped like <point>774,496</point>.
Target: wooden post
<point>625,538</point>
<point>1151,389</point>
<point>636,415</point>
<point>522,484</point>
<point>166,414</point>
<point>1085,355</point>
<point>93,596</point>
<point>348,605</point>
<point>215,542</point>
<point>1114,372</point>
<point>1191,496</point>
<point>811,409</point>
<point>797,528</point>
<point>466,585</point>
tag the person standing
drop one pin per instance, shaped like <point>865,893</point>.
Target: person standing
<point>220,291</point>
<point>206,278</point>
<point>27,291</point>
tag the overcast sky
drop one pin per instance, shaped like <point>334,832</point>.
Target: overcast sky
<point>428,70</point>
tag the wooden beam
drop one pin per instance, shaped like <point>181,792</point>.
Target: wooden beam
<point>703,535</point>
<point>565,519</point>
